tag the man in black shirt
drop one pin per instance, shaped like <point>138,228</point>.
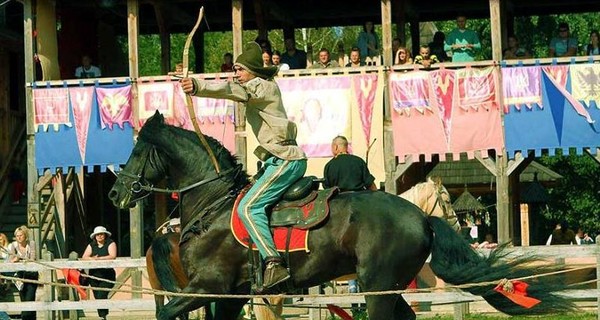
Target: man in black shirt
<point>346,171</point>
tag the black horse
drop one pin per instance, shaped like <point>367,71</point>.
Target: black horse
<point>381,237</point>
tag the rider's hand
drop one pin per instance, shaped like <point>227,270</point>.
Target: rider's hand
<point>187,84</point>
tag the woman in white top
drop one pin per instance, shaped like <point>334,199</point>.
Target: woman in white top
<point>23,249</point>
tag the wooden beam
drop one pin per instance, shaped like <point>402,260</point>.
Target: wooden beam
<point>386,31</point>
<point>165,37</point>
<point>524,209</point>
<point>132,37</point>
<point>259,16</point>
<point>488,163</point>
<point>502,199</point>
<point>594,156</point>
<point>240,119</point>
<point>513,164</point>
<point>496,29</point>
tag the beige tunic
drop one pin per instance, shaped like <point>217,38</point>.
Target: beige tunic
<point>264,112</point>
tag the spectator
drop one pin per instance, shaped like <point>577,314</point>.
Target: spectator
<point>563,235</point>
<point>227,65</point>
<point>462,42</point>
<point>174,225</point>
<point>3,247</point>
<point>425,58</point>
<point>403,57</point>
<point>395,46</point>
<point>593,48</point>
<point>583,238</point>
<point>101,248</point>
<point>514,50</point>
<point>87,70</point>
<point>178,70</point>
<point>346,171</point>
<point>437,46</point>
<point>295,58</point>
<point>276,58</point>
<point>23,249</point>
<point>18,185</point>
<point>266,57</point>
<point>265,44</point>
<point>563,45</point>
<point>324,60</point>
<point>355,60</point>
<point>488,243</point>
<point>368,43</point>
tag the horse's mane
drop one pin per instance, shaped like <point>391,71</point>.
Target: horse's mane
<point>153,130</point>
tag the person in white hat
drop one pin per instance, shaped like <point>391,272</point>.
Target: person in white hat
<point>101,248</point>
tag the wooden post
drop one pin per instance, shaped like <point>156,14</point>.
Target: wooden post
<point>165,39</point>
<point>502,199</point>
<point>386,32</point>
<point>496,29</point>
<point>524,224</point>
<point>240,111</point>
<point>48,277</point>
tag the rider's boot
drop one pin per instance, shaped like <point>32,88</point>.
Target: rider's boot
<point>275,272</point>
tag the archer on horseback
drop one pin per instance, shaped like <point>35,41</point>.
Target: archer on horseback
<point>284,161</point>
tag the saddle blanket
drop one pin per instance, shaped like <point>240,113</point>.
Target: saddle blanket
<point>298,238</point>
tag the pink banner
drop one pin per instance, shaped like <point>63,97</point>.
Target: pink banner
<point>321,109</point>
<point>114,105</point>
<point>156,96</point>
<point>522,86</point>
<point>477,88</point>
<point>443,81</point>
<point>81,102</point>
<point>410,90</point>
<point>51,107</point>
<point>365,88</point>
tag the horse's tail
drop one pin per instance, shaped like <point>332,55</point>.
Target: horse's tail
<point>161,260</point>
<point>457,263</point>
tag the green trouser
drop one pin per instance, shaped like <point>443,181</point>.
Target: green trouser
<point>267,190</point>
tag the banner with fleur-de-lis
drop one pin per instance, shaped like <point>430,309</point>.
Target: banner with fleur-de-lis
<point>114,105</point>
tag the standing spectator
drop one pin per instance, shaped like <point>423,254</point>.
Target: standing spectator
<point>295,58</point>
<point>563,235</point>
<point>437,46</point>
<point>23,249</point>
<point>593,48</point>
<point>101,248</point>
<point>368,43</point>
<point>227,65</point>
<point>395,46</point>
<point>276,58</point>
<point>563,45</point>
<point>87,70</point>
<point>403,57</point>
<point>425,58</point>
<point>355,60</point>
<point>349,173</point>
<point>462,41</point>
<point>324,60</point>
<point>515,51</point>
<point>583,238</point>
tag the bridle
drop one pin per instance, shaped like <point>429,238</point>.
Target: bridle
<point>140,184</point>
<point>439,202</point>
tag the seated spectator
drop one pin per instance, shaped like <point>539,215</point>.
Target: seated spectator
<point>295,58</point>
<point>403,57</point>
<point>178,70</point>
<point>266,57</point>
<point>424,57</point>
<point>227,65</point>
<point>87,70</point>
<point>324,60</point>
<point>563,235</point>
<point>355,60</point>
<point>515,51</point>
<point>563,45</point>
<point>276,58</point>
<point>462,42</point>
<point>583,238</point>
<point>437,46</point>
<point>593,48</point>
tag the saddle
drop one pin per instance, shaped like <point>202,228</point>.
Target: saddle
<point>303,206</point>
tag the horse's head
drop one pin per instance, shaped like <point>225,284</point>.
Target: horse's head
<point>144,168</point>
<point>439,202</point>
<point>164,151</point>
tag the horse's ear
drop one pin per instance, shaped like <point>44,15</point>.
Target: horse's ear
<point>436,180</point>
<point>152,125</point>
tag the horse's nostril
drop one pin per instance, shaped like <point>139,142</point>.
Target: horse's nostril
<point>112,194</point>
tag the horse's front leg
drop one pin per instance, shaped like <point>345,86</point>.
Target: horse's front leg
<point>181,305</point>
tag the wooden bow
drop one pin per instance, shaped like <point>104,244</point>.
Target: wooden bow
<point>188,97</point>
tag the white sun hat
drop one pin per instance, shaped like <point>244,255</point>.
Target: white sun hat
<point>98,230</point>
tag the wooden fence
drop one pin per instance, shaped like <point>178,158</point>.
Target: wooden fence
<point>569,255</point>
